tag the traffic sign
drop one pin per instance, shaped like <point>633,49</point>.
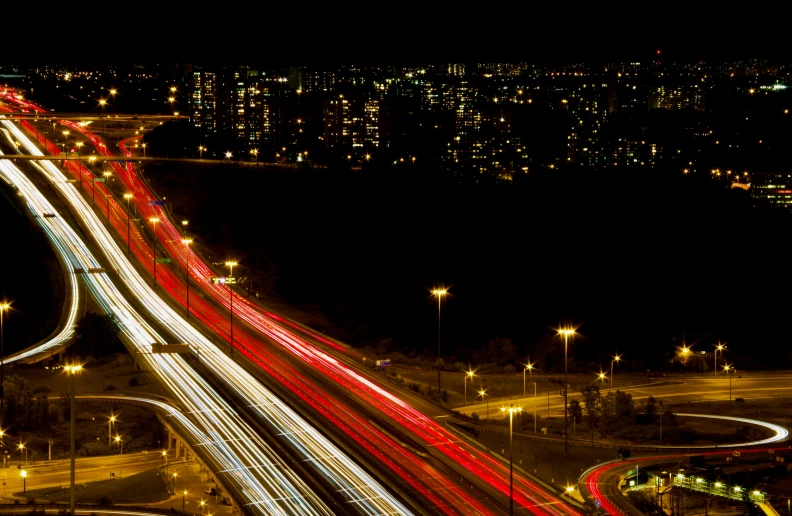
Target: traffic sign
<point>383,363</point>
<point>99,180</point>
<point>163,260</point>
<point>223,281</point>
<point>156,203</point>
<point>170,348</point>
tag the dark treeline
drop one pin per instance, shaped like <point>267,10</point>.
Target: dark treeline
<point>640,259</point>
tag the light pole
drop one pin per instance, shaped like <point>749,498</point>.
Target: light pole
<point>171,99</point>
<point>24,481</point>
<point>601,377</point>
<point>72,371</point>
<point>482,393</point>
<point>720,347</point>
<point>109,426</point>
<point>616,358</point>
<point>79,148</point>
<point>21,448</point>
<point>511,410</point>
<point>175,474</point>
<point>165,461</point>
<point>201,150</point>
<point>529,368</point>
<point>184,496</point>
<point>468,374</point>
<point>128,196</point>
<point>4,307</point>
<point>113,92</point>
<point>535,401</point>
<point>187,242</point>
<point>727,369</point>
<point>231,266</point>
<point>121,455</point>
<point>154,221</point>
<point>566,332</point>
<point>144,149</point>
<point>439,292</point>
<point>254,152</point>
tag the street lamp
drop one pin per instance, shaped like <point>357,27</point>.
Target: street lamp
<point>128,196</point>
<point>201,150</point>
<point>228,155</point>
<point>482,393</point>
<point>165,461</point>
<point>24,481</point>
<point>184,496</point>
<point>175,474</point>
<point>727,369</point>
<point>72,371</point>
<point>154,221</point>
<point>144,149</point>
<point>254,152</point>
<point>529,368</point>
<point>439,292</point>
<point>231,266</point>
<point>601,377</point>
<point>187,242</point>
<point>171,99</point>
<point>121,455</point>
<point>511,410</point>
<point>616,358</point>
<point>113,92</point>
<point>79,148</point>
<point>109,427</point>
<point>468,374</point>
<point>720,347</point>
<point>566,332</point>
<point>21,448</point>
<point>4,307</point>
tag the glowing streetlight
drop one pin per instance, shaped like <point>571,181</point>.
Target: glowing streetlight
<point>154,221</point>
<point>616,358</point>
<point>566,333</point>
<point>72,370</point>
<point>254,152</point>
<point>720,347</point>
<point>112,420</point>
<point>4,307</point>
<point>187,242</point>
<point>201,150</point>
<point>727,369</point>
<point>121,455</point>
<point>171,100</point>
<point>528,367</point>
<point>439,292</point>
<point>79,148</point>
<point>228,155</point>
<point>184,496</point>
<point>468,375</point>
<point>21,448</point>
<point>128,196</point>
<point>511,410</point>
<point>482,393</point>
<point>602,377</point>
<point>231,265</point>
<point>24,481</point>
<point>113,92</point>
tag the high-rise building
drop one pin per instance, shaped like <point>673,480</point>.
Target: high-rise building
<point>772,189</point>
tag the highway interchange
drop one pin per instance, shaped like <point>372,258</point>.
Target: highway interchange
<point>375,453</point>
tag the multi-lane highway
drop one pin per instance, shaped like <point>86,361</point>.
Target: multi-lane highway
<point>262,480</point>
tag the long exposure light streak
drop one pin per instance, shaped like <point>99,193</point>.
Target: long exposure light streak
<point>282,488</point>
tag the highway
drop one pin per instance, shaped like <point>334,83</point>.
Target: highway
<point>264,483</point>
<point>432,436</point>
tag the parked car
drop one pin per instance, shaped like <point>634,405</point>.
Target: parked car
<point>225,501</point>
<point>210,491</point>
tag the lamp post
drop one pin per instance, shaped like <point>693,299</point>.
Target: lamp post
<point>109,427</point>
<point>175,474</point>
<point>113,92</point>
<point>21,448</point>
<point>727,369</point>
<point>187,242</point>
<point>121,455</point>
<point>616,358</point>
<point>171,99</point>
<point>4,307</point>
<point>254,152</point>
<point>184,496</point>
<point>511,410</point>
<point>529,368</point>
<point>231,266</point>
<point>482,393</point>
<point>165,461</point>
<point>566,332</point>
<point>79,148</point>
<point>128,196</point>
<point>24,481</point>
<point>201,150</point>
<point>154,221</point>
<point>720,347</point>
<point>535,401</point>
<point>601,377</point>
<point>439,292</point>
<point>144,149</point>
<point>468,374</point>
<point>72,371</point>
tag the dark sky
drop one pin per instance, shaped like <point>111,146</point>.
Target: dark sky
<point>389,32</point>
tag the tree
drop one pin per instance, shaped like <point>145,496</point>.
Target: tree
<point>96,335</point>
<point>18,402</point>
<point>576,411</point>
<point>593,401</point>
